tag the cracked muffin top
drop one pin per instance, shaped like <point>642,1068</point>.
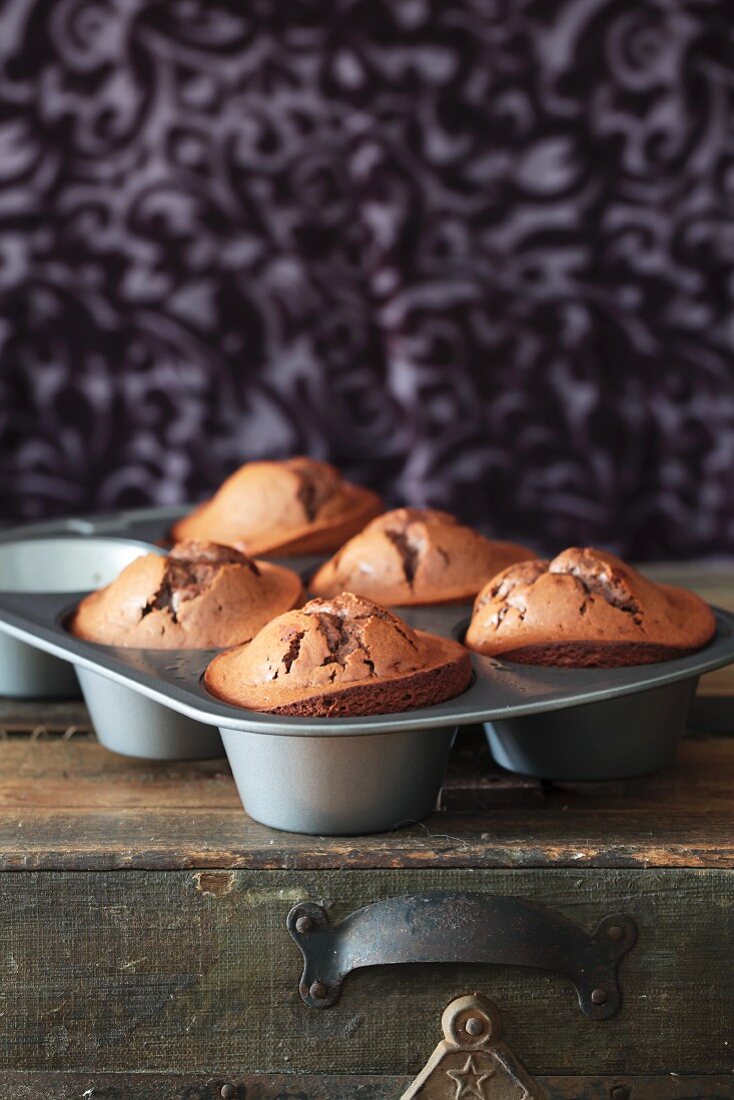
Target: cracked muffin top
<point>339,658</point>
<point>199,596</point>
<point>298,506</point>
<point>415,556</point>
<point>586,608</point>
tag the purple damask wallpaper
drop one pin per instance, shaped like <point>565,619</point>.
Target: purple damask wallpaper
<point>479,253</point>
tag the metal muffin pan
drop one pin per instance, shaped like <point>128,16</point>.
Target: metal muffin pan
<point>367,774</point>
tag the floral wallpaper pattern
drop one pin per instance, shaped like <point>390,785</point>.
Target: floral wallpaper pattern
<point>479,253</point>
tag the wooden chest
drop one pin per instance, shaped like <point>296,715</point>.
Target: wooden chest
<point>145,951</point>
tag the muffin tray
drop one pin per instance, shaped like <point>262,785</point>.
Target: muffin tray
<point>328,776</point>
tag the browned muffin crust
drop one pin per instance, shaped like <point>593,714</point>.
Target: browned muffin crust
<point>339,658</point>
<point>414,556</point>
<point>292,507</point>
<point>201,595</point>
<point>191,568</point>
<point>586,608</point>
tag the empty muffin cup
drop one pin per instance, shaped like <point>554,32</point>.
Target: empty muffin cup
<point>46,565</point>
<point>339,785</point>
<point>131,724</point>
<point>618,738</point>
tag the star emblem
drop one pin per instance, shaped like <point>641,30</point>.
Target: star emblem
<point>469,1081</point>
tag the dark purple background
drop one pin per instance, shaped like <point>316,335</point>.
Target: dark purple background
<point>479,254</point>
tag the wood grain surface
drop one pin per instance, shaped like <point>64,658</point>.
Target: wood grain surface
<point>155,1086</point>
<point>161,971</point>
<point>70,804</point>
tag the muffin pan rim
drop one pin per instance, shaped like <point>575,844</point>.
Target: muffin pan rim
<point>173,677</point>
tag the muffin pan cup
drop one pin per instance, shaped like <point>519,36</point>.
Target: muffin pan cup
<point>52,563</point>
<point>620,738</point>
<point>28,673</point>
<point>134,725</point>
<point>124,720</point>
<point>341,776</point>
<point>339,786</point>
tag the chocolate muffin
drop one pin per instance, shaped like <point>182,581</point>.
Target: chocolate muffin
<point>339,658</point>
<point>298,506</point>
<point>415,556</point>
<point>200,596</point>
<point>586,608</point>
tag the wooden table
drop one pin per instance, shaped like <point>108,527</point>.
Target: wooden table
<point>131,969</point>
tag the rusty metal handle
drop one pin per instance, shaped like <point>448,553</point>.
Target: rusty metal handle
<point>471,1059</point>
<point>462,928</point>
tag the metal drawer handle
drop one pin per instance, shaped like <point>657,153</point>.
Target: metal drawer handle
<point>471,1060</point>
<point>462,928</point>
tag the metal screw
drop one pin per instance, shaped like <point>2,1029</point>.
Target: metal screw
<point>615,932</point>
<point>620,1092</point>
<point>599,996</point>
<point>474,1026</point>
<point>318,991</point>
<point>304,923</point>
<point>228,1092</point>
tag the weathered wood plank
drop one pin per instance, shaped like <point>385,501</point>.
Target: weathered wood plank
<point>68,805</point>
<point>43,716</point>
<point>80,775</point>
<point>160,971</point>
<point>161,839</point>
<point>155,1086</point>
